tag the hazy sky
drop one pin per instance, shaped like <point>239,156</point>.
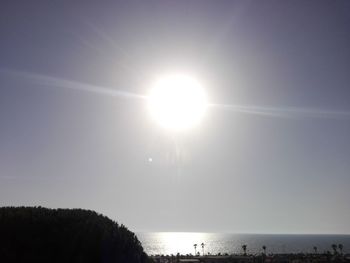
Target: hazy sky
<point>276,161</point>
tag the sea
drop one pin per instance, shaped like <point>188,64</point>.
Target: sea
<point>167,243</point>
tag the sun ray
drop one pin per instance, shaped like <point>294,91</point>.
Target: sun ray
<point>53,82</point>
<point>283,112</point>
<point>264,111</point>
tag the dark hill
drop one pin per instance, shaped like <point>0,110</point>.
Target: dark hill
<point>36,234</point>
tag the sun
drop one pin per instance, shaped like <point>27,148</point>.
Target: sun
<point>177,102</point>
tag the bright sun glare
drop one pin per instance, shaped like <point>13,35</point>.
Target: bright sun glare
<point>177,102</point>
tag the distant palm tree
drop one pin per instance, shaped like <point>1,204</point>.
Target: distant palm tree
<point>244,247</point>
<point>264,248</point>
<point>195,249</point>
<point>340,246</point>
<point>334,247</point>
<point>315,249</point>
<point>202,245</point>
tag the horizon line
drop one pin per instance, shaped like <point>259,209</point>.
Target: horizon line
<point>240,233</point>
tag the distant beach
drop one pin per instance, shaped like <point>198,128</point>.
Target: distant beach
<point>167,243</point>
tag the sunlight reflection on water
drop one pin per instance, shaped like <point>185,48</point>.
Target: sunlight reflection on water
<point>182,242</point>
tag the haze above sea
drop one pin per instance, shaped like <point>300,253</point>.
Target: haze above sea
<point>167,243</point>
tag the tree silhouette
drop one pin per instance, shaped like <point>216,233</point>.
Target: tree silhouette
<point>195,249</point>
<point>36,234</point>
<point>334,247</point>
<point>202,245</point>
<point>315,249</point>
<point>340,246</point>
<point>264,249</point>
<point>244,247</point>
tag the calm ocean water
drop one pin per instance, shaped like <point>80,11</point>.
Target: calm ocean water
<point>175,242</point>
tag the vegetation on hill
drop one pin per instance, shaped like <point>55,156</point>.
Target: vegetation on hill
<point>36,234</point>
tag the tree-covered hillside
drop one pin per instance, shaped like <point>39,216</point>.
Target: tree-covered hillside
<point>36,234</point>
